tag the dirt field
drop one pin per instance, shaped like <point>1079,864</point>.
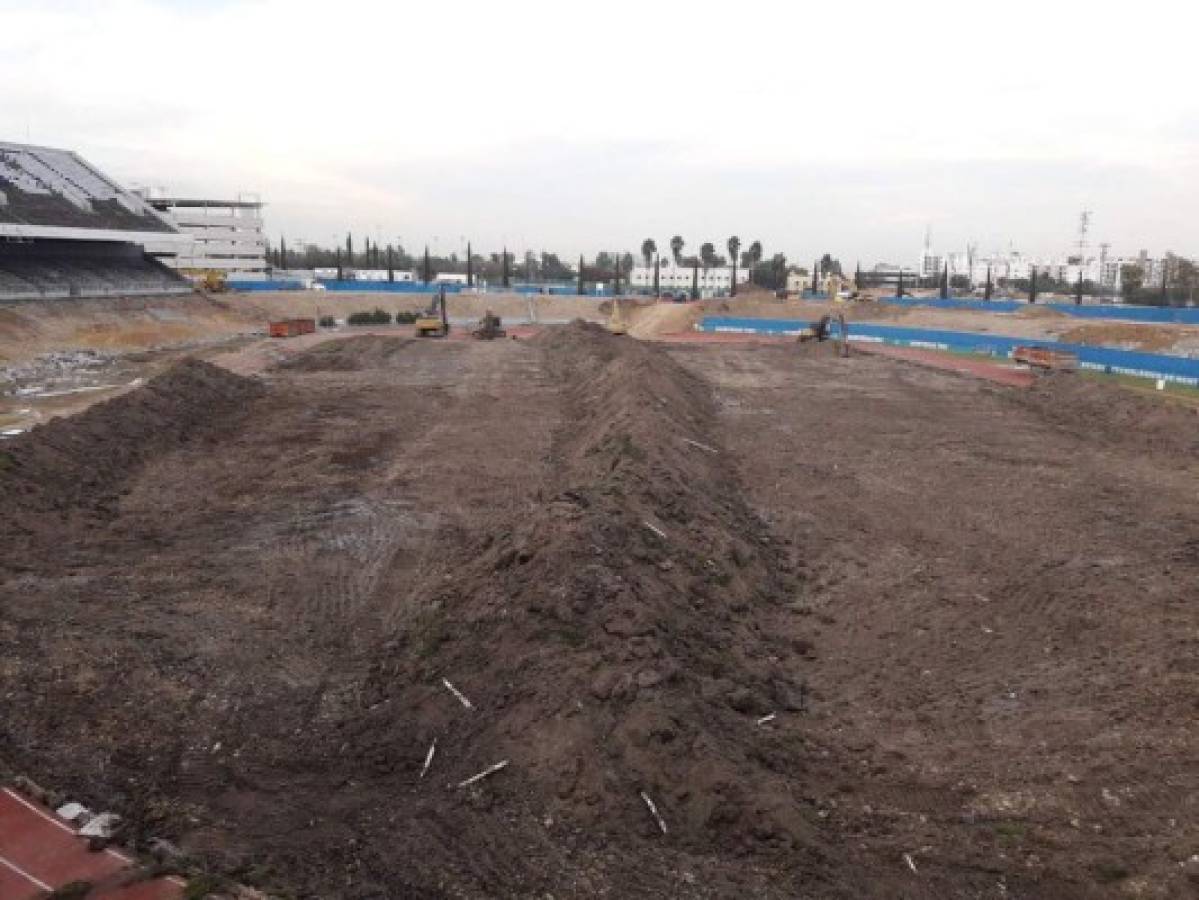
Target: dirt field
<point>228,604</point>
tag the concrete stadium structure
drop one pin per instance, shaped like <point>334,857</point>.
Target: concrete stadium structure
<point>221,235</point>
<point>68,230</point>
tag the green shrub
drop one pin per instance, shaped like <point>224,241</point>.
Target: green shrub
<point>328,322</point>
<point>406,318</point>
<point>378,317</point>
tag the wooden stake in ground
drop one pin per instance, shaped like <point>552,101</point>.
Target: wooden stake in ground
<point>701,446</point>
<point>429,758</point>
<point>457,693</point>
<point>653,810</point>
<point>486,773</point>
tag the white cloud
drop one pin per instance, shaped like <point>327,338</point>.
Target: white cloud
<point>577,126</point>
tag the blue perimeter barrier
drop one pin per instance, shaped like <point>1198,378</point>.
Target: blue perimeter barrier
<point>1181,315</point>
<point>265,285</point>
<point>1101,359</point>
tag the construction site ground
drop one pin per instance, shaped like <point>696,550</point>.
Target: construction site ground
<point>739,620</point>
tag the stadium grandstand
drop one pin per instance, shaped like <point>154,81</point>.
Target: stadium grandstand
<point>67,230</point>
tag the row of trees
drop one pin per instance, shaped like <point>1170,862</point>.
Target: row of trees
<point>505,267</point>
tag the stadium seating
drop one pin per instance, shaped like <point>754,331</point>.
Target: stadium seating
<point>61,269</point>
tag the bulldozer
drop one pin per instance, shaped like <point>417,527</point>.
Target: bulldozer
<point>489,328</point>
<point>434,322</point>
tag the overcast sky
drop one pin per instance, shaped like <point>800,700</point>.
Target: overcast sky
<point>578,126</point>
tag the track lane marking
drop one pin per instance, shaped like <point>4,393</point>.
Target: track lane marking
<point>36,882</point>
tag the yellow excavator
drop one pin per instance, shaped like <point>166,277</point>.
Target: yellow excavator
<point>211,281</point>
<point>434,322</point>
<point>822,331</point>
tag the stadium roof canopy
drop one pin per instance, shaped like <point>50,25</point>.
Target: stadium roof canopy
<point>47,193</point>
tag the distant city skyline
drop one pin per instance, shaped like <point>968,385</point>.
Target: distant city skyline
<point>574,129</point>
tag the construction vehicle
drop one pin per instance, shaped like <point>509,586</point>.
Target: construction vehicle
<point>823,330</point>
<point>434,321</point>
<point>1045,358</point>
<point>489,328</point>
<point>211,281</point>
<point>616,323</point>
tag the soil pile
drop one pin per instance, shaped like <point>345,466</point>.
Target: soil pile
<point>1110,415</point>
<point>1149,338</point>
<point>368,351</point>
<point>622,638</point>
<point>664,318</point>
<point>70,471</point>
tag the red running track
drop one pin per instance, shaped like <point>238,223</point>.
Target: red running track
<point>40,853</point>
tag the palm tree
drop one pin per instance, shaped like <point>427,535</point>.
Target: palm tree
<point>755,257</point>
<point>648,249</point>
<point>657,277</point>
<point>734,249</point>
<point>676,248</point>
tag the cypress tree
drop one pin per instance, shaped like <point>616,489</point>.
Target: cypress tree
<point>350,250</point>
<point>1165,292</point>
<point>506,279</point>
<point>945,282</point>
<point>989,288</point>
<point>857,276</point>
<point>582,288</point>
<point>616,282</point>
<point>695,281</point>
<point>1032,286</point>
<point>470,267</point>
<point>428,269</point>
<point>340,274</point>
<point>1078,289</point>
<point>899,293</point>
<point>391,273</point>
<point>816,277</point>
<point>283,252</point>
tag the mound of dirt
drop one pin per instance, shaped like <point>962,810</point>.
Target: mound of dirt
<point>70,470</point>
<point>664,318</point>
<point>619,641</point>
<point>1112,415</point>
<point>1150,338</point>
<point>368,351</point>
<point>1032,311</point>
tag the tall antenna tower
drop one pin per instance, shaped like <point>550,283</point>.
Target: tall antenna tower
<point>1084,227</point>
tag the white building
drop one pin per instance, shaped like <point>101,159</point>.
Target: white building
<point>370,274</point>
<point>675,279</point>
<point>222,235</point>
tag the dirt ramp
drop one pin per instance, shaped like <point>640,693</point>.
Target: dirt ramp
<point>71,470</point>
<point>618,640</point>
